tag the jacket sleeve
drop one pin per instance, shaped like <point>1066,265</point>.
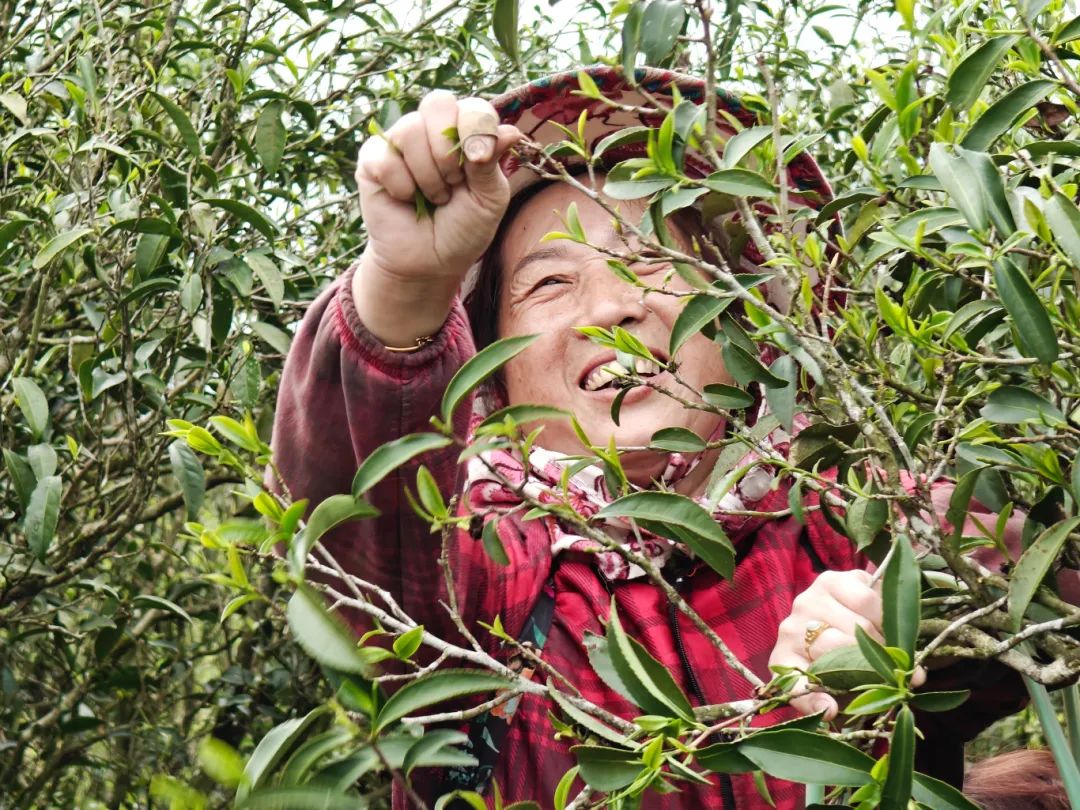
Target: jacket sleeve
<point>342,394</point>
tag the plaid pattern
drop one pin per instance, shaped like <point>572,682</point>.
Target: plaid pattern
<point>342,395</point>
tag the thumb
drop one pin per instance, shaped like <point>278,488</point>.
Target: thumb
<point>816,703</point>
<point>482,154</point>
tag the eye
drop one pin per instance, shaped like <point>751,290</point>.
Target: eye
<point>549,281</point>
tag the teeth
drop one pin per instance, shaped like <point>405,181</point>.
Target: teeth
<point>602,375</point>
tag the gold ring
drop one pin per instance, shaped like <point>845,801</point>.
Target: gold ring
<point>814,629</point>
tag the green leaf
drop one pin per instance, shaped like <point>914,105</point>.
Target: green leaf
<point>781,398</point>
<point>939,701</point>
<point>562,791</point>
<point>727,397</point>
<point>435,688</point>
<point>10,230</point>
<point>277,339</point>
<point>183,124</point>
<point>42,515</point>
<point>955,177</point>
<point>329,514</point>
<point>57,245</point>
<point>875,654</point>
<point>504,23</point>
<point>1012,405</point>
<point>324,637</point>
<point>1033,327</point>
<point>897,789</point>
<point>245,212</point>
<point>221,762</point>
<point>16,105</point>
<point>161,603</point>
<point>469,797</point>
<point>621,137</point>
<point>677,440</point>
<point>1033,566</point>
<point>620,185</point>
<point>971,75</point>
<point>607,769</point>
<point>652,686</point>
<point>960,503</point>
<point>988,183</point>
<point>32,403</point>
<point>406,645</point>
<point>584,719</point>
<point>808,758</point>
<point>631,42</point>
<point>699,312</point>
<point>939,795</point>
<point>236,433</point>
<point>844,669</point>
<point>817,445</point>
<point>269,275</point>
<point>724,758</point>
<point>307,755</point>
<point>1068,32</point>
<point>598,650</point>
<point>678,518</point>
<point>493,545</point>
<point>22,476</point>
<point>875,701</point>
<point>478,368</point>
<point>270,136</point>
<point>273,747</point>
<point>739,183</point>
<point>901,590</point>
<point>746,368</point>
<point>866,517</point>
<point>742,142</point>
<point>997,119</point>
<point>304,797</point>
<point>431,744</point>
<point>388,457</point>
<point>661,23</point>
<point>189,473</point>
<point>1064,220</point>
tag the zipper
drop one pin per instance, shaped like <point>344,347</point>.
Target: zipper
<point>727,790</point>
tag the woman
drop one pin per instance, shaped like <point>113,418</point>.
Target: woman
<point>375,352</point>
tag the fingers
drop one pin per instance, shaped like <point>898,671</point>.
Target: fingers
<point>815,702</point>
<point>419,150</point>
<point>410,136</point>
<point>380,165</point>
<point>478,129</point>
<point>439,109</point>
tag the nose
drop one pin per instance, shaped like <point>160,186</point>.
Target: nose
<point>608,301</point>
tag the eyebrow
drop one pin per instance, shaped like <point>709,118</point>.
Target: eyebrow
<point>543,254</point>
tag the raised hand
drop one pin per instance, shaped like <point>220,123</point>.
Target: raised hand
<point>413,265</point>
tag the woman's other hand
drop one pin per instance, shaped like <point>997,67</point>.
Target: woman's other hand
<point>413,264</point>
<point>824,618</point>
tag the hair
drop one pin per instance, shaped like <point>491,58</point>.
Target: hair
<point>482,304</point>
<point>1021,780</point>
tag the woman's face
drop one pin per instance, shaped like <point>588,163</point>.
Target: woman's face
<point>548,288</point>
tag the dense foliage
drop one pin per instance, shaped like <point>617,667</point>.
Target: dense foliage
<point>177,186</point>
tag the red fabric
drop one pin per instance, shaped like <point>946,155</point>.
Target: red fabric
<point>342,395</point>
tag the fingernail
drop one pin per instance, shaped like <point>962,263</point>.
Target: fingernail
<point>479,147</point>
<point>821,705</point>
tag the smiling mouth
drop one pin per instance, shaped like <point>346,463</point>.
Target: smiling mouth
<point>612,374</point>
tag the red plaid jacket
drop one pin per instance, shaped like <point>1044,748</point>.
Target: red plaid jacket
<point>342,395</point>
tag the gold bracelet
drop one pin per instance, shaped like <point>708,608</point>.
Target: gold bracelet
<point>421,342</point>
